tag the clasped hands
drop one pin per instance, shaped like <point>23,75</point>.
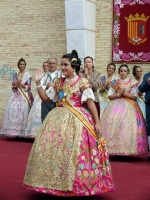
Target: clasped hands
<point>121,92</point>
<point>16,84</point>
<point>107,84</point>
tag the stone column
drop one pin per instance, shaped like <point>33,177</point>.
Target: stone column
<point>80,26</point>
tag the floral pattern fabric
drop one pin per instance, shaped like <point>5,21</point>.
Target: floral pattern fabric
<point>17,109</point>
<point>65,159</point>
<point>122,126</point>
<point>34,119</point>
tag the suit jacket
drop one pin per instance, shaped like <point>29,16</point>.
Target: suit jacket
<point>145,87</point>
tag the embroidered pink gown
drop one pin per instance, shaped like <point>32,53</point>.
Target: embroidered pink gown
<point>65,159</point>
<point>123,126</point>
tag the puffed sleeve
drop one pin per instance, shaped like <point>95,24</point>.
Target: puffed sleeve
<point>87,94</point>
<point>134,88</point>
<point>134,91</point>
<point>51,93</point>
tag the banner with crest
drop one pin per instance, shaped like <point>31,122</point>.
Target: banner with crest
<point>131,31</point>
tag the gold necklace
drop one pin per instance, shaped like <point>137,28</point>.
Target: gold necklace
<point>20,75</point>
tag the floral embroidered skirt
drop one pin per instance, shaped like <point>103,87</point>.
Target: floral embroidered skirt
<point>103,99</point>
<point>124,129</point>
<point>15,116</point>
<point>65,160</point>
<point>34,119</point>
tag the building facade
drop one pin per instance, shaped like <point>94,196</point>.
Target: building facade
<point>36,30</point>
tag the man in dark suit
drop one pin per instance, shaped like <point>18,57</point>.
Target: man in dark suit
<point>145,87</point>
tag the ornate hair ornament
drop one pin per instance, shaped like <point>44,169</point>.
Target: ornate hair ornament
<point>73,59</point>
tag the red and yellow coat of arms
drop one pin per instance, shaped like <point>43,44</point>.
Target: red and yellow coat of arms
<point>137,28</point>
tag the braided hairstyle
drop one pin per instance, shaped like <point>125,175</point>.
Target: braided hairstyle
<point>74,60</point>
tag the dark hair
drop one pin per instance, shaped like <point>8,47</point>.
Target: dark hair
<point>123,65</point>
<point>113,65</point>
<point>90,58</point>
<point>21,60</point>
<point>44,63</point>
<point>74,60</point>
<point>134,70</point>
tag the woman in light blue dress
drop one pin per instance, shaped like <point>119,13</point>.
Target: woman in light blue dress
<point>137,73</point>
<point>34,118</point>
<point>105,85</point>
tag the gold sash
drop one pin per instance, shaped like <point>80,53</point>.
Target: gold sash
<point>142,99</point>
<point>132,102</point>
<point>24,96</point>
<point>101,141</point>
<point>136,106</point>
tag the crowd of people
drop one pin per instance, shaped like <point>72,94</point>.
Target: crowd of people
<point>78,118</point>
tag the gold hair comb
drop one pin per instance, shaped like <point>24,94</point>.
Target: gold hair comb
<point>73,59</point>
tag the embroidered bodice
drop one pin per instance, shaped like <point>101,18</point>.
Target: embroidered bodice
<point>75,94</point>
<point>130,86</point>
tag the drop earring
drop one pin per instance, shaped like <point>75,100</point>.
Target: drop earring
<point>74,73</point>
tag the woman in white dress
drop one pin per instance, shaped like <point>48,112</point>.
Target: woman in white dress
<point>19,103</point>
<point>34,117</point>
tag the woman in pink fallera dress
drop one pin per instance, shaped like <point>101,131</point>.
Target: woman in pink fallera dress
<point>68,158</point>
<point>123,123</point>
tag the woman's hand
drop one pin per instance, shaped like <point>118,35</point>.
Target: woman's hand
<point>39,75</point>
<point>14,87</point>
<point>97,128</point>
<point>101,90</point>
<point>86,74</point>
<point>16,83</point>
<point>106,84</point>
<point>122,92</point>
<point>19,83</point>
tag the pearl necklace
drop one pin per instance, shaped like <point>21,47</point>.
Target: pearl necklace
<point>71,79</point>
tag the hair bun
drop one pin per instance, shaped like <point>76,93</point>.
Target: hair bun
<point>74,52</point>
